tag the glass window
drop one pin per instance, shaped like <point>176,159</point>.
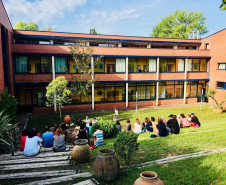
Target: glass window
<point>179,91</point>
<point>142,65</point>
<point>195,66</point>
<point>189,64</point>
<point>171,65</point>
<point>162,65</point>
<point>203,65</point>
<point>152,65</point>
<point>46,64</point>
<point>120,65</point>
<point>60,64</point>
<point>132,91</point>
<point>99,92</point>
<point>110,65</point>
<point>141,91</point>
<point>34,64</point>
<point>220,85</point>
<point>114,92</point>
<point>151,90</point>
<point>170,91</point>
<point>99,67</point>
<point>180,65</point>
<point>222,66</point>
<point>132,65</point>
<point>194,89</point>
<point>21,64</point>
<point>39,97</point>
<point>188,89</point>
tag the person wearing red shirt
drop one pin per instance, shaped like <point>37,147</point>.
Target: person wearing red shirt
<point>23,139</point>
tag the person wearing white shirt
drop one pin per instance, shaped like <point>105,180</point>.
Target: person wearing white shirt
<point>137,127</point>
<point>87,120</point>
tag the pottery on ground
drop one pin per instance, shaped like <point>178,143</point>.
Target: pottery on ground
<point>218,111</point>
<point>106,166</point>
<point>148,178</point>
<point>67,119</point>
<point>81,152</point>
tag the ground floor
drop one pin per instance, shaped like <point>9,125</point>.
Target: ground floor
<point>121,95</point>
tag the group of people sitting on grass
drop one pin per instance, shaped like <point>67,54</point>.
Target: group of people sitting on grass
<point>32,141</point>
<point>162,127</point>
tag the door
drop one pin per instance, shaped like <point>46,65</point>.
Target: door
<point>25,100</point>
<point>110,68</point>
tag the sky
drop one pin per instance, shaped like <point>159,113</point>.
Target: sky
<point>111,17</point>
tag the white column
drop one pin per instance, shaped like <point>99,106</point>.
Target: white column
<point>127,85</point>
<point>54,77</point>
<point>185,77</point>
<point>92,76</point>
<point>157,84</point>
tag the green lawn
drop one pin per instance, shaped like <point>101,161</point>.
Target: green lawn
<point>201,170</point>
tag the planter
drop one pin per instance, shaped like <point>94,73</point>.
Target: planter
<point>67,119</point>
<point>81,152</point>
<point>148,178</point>
<point>218,111</point>
<point>106,166</point>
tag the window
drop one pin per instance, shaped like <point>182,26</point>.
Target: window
<point>46,64</point>
<point>152,65</point>
<point>197,65</point>
<point>207,46</point>
<point>60,64</point>
<point>132,65</point>
<point>171,89</point>
<point>180,65</point>
<point>120,65</point>
<point>203,65</point>
<point>167,65</point>
<point>222,66</point>
<point>99,67</point>
<point>21,64</point>
<point>195,88</point>
<point>221,85</point>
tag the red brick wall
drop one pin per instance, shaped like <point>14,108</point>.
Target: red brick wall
<point>171,102</point>
<point>171,76</point>
<point>142,76</point>
<point>198,75</point>
<point>33,78</point>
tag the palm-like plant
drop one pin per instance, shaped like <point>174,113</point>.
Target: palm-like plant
<point>4,127</point>
<point>223,5</point>
<point>211,94</point>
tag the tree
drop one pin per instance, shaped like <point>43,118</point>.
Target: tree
<point>58,92</point>
<point>8,106</point>
<point>211,94</point>
<point>24,26</point>
<point>82,60</point>
<point>180,24</point>
<point>223,5</point>
<point>93,31</point>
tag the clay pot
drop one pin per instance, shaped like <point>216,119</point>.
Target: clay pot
<point>67,119</point>
<point>148,178</point>
<point>218,111</point>
<point>106,166</point>
<point>81,152</point>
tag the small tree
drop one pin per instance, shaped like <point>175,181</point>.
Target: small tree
<point>58,92</point>
<point>126,145</point>
<point>211,94</point>
<point>8,106</point>
<point>82,60</point>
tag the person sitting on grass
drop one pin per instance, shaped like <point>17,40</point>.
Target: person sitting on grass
<point>184,121</point>
<point>32,144</point>
<point>154,124</point>
<point>47,138</point>
<point>149,126</point>
<point>173,125</point>
<point>87,120</point>
<point>137,127</point>
<point>162,132</point>
<point>118,126</point>
<point>98,136</point>
<point>127,127</point>
<point>59,141</point>
<point>23,139</point>
<point>195,120</point>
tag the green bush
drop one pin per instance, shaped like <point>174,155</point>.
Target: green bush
<point>126,145</point>
<point>108,127</point>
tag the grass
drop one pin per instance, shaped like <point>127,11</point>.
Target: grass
<point>200,170</point>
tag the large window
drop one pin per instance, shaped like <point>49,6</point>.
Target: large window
<point>221,85</point>
<point>171,89</point>
<point>195,88</point>
<point>109,92</point>
<point>141,65</point>
<point>60,64</point>
<point>77,99</point>
<point>222,66</point>
<point>21,64</point>
<point>145,91</point>
<point>167,65</point>
<point>120,65</point>
<point>197,65</point>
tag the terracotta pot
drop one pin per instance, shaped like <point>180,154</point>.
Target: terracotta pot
<point>81,152</point>
<point>106,166</point>
<point>148,178</point>
<point>67,119</point>
<point>218,111</point>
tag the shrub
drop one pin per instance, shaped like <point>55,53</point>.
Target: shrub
<point>108,127</point>
<point>126,145</point>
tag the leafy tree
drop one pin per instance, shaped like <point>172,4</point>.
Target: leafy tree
<point>126,145</point>
<point>24,26</point>
<point>180,24</point>
<point>93,31</point>
<point>211,94</point>
<point>58,92</point>
<point>82,57</point>
<point>223,5</point>
<point>8,105</point>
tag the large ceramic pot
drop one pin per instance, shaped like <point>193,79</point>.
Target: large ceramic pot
<point>81,152</point>
<point>218,111</point>
<point>148,178</point>
<point>67,119</point>
<point>106,166</point>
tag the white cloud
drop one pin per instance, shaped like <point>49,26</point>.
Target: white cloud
<point>115,16</point>
<point>41,10</point>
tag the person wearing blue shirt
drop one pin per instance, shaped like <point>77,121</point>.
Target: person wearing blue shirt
<point>47,137</point>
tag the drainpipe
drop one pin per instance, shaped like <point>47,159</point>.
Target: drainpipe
<point>92,76</point>
<point>185,78</point>
<point>127,85</point>
<point>157,84</point>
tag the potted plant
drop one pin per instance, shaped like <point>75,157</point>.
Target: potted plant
<point>219,106</point>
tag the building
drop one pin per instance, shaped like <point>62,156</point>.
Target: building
<point>162,71</point>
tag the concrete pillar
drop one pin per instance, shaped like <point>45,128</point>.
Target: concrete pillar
<point>92,76</point>
<point>54,77</point>
<point>120,45</point>
<point>185,78</point>
<point>127,85</point>
<point>157,84</point>
<point>149,46</point>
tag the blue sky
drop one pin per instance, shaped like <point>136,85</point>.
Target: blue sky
<point>114,17</point>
